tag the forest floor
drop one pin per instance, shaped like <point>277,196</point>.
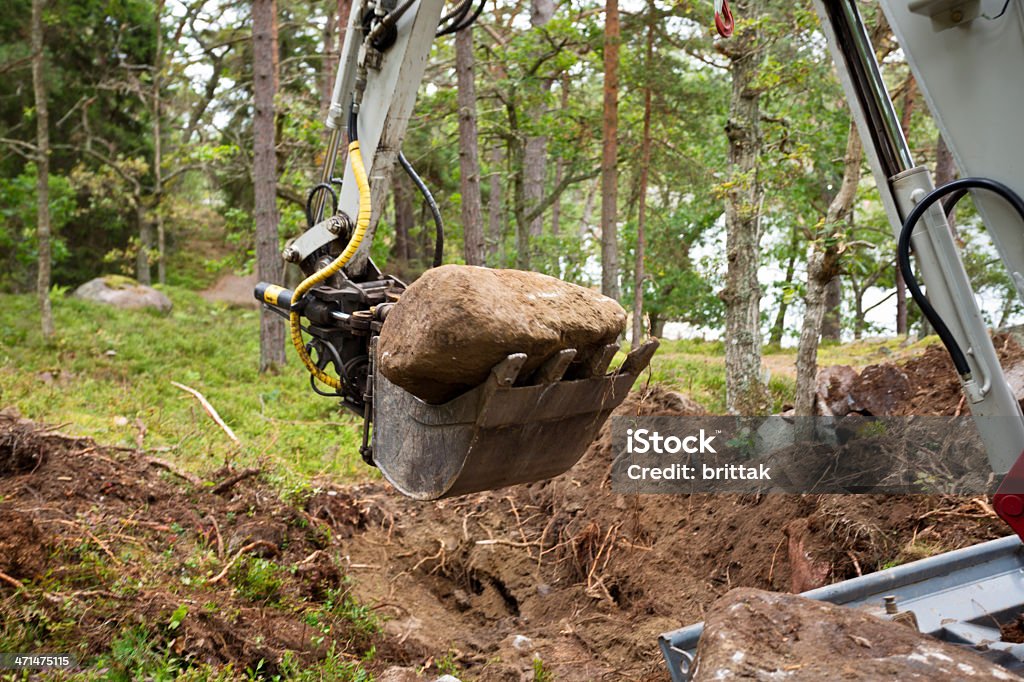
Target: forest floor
<point>154,557</point>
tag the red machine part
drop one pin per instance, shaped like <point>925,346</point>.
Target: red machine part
<point>1009,498</point>
<point>723,19</point>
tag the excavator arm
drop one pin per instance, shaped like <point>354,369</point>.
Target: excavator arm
<point>516,427</point>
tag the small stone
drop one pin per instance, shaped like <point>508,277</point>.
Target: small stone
<point>522,643</point>
<point>399,674</point>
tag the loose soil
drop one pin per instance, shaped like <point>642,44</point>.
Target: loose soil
<point>565,570</point>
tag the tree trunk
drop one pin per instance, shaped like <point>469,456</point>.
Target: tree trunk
<point>745,393</point>
<point>469,165</point>
<point>945,172</point>
<point>822,268</point>
<point>158,157</point>
<point>264,171</point>
<point>831,322</point>
<point>779,326</point>
<point>901,304</point>
<point>495,208</point>
<point>556,208</point>
<point>909,97</point>
<point>609,157</point>
<point>535,151</point>
<point>42,170</point>
<point>404,218</point>
<point>143,272</point>
<point>645,162</point>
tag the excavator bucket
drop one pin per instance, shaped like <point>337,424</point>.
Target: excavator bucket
<point>508,430</point>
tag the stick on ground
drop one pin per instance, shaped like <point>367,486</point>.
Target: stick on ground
<point>209,410</point>
<point>230,482</point>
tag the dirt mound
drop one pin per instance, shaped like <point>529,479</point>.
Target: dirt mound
<point>114,550</point>
<point>931,384</point>
<point>588,578</point>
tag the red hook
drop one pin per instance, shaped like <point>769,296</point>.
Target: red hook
<point>723,18</point>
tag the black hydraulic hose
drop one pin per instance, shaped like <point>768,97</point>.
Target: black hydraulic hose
<point>353,125</point>
<point>464,24</point>
<point>319,187</point>
<point>454,17</point>
<point>434,210</point>
<point>957,189</point>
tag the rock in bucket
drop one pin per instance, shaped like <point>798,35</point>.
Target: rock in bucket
<point>456,322</point>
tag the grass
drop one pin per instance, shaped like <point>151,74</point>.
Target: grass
<point>697,368</point>
<point>107,374</point>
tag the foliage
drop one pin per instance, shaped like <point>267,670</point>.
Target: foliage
<point>18,247</point>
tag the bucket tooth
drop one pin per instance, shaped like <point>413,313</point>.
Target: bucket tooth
<point>499,433</point>
<point>554,367</point>
<point>639,358</point>
<point>506,372</point>
<point>597,364</point>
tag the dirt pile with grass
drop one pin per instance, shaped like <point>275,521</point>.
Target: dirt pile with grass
<point>562,578</point>
<point>923,385</point>
<point>142,569</point>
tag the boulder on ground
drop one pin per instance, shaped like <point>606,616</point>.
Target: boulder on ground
<point>834,386</point>
<point>123,292</point>
<point>756,635</point>
<point>456,322</point>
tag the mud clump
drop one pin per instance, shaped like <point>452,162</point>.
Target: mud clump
<point>753,634</point>
<point>20,449</point>
<point>456,322</point>
<point>23,549</point>
<point>879,390</point>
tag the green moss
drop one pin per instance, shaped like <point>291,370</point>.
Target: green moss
<point>119,281</point>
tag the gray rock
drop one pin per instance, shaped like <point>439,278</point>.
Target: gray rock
<point>756,635</point>
<point>123,292</point>
<point>456,322</point>
<point>447,678</point>
<point>399,674</point>
<point>834,384</point>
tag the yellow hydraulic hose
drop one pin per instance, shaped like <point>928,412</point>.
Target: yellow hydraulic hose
<point>362,223</point>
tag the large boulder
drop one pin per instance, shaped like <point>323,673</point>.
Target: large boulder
<point>123,292</point>
<point>456,322</point>
<point>756,635</point>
